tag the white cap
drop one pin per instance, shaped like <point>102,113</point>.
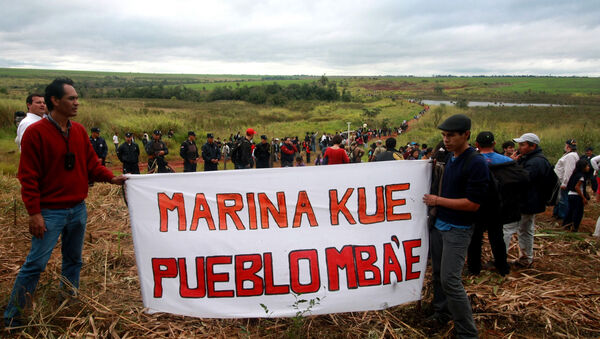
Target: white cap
<point>528,137</point>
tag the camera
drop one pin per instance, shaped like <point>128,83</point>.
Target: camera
<point>69,161</point>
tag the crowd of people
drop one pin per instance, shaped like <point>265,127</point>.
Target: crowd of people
<point>474,188</point>
<point>241,150</point>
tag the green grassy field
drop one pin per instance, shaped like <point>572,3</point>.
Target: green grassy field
<point>552,124</point>
<point>579,90</point>
<point>563,90</point>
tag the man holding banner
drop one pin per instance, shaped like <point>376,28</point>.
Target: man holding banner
<point>57,159</point>
<point>464,184</point>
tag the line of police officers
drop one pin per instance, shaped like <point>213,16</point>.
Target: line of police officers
<point>156,149</point>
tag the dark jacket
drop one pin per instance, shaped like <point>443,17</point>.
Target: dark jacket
<point>129,153</point>
<point>389,155</point>
<point>463,178</point>
<point>210,152</point>
<point>245,154</point>
<point>188,150</point>
<point>538,167</point>
<point>154,147</point>
<point>100,147</point>
<point>507,189</point>
<point>262,153</point>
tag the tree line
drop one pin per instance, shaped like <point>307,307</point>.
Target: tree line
<point>271,94</point>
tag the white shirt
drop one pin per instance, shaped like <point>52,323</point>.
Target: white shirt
<point>565,166</point>
<point>596,163</point>
<point>29,119</point>
<point>115,139</point>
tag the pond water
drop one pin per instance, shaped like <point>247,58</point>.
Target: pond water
<point>484,103</point>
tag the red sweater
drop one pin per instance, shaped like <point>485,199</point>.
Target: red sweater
<point>44,181</point>
<point>336,156</point>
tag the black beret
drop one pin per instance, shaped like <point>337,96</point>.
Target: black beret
<point>485,138</point>
<point>456,123</point>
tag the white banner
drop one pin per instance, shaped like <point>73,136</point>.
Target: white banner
<point>282,241</point>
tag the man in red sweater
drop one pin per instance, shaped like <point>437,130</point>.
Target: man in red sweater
<point>56,161</point>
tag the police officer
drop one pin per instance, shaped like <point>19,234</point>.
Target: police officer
<point>211,153</point>
<point>156,150</point>
<point>99,144</point>
<point>262,153</point>
<point>129,154</point>
<point>189,152</point>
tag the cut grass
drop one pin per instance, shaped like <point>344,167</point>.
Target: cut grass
<point>537,302</point>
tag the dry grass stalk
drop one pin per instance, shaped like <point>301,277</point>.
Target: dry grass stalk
<point>558,297</point>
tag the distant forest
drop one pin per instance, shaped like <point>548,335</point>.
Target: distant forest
<point>273,94</point>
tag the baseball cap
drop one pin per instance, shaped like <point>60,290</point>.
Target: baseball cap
<point>191,133</point>
<point>264,137</point>
<point>485,138</point>
<point>250,131</point>
<point>209,135</point>
<point>128,134</point>
<point>530,137</point>
<point>157,132</point>
<point>456,123</point>
<point>572,143</point>
<point>96,129</point>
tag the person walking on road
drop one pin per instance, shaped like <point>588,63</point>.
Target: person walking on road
<point>116,141</point>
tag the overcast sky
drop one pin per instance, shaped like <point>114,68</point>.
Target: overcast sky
<point>304,36</point>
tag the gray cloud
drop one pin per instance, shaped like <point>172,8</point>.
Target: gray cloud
<point>308,37</point>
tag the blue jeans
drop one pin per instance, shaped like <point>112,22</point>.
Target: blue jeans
<point>560,210</point>
<point>448,251</point>
<point>69,224</point>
